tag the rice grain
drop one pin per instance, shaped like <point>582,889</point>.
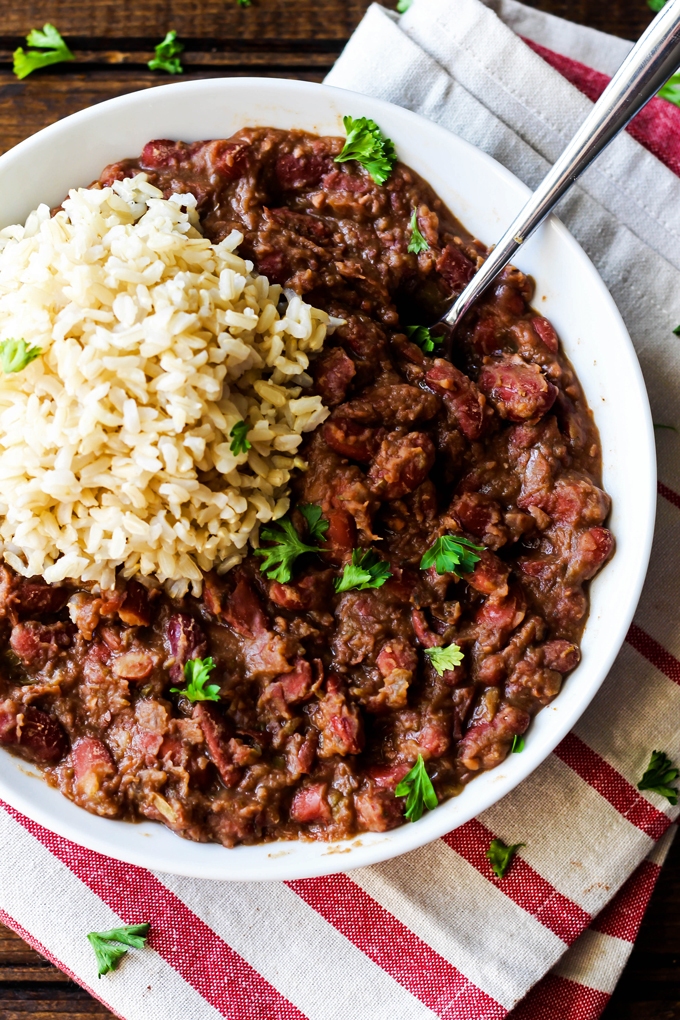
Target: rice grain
<point>115,447</point>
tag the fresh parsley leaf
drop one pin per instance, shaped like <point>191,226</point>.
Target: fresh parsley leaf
<point>367,145</point>
<point>166,58</point>
<point>517,744</point>
<point>671,90</point>
<point>659,775</point>
<point>671,428</point>
<point>417,242</point>
<point>196,673</point>
<point>244,3</point>
<point>444,658</point>
<point>279,558</point>
<point>239,444</point>
<point>422,336</point>
<point>50,49</point>
<point>451,554</point>
<point>677,330</point>
<point>316,525</point>
<point>108,955</point>
<point>417,787</point>
<point>366,570</point>
<point>50,38</point>
<point>16,354</point>
<point>134,935</point>
<point>656,5</point>
<point>501,856</point>
<point>403,6</point>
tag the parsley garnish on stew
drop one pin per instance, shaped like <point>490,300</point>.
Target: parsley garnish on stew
<point>444,658</point>
<point>656,5</point>
<point>366,570</point>
<point>316,525</point>
<point>16,354</point>
<point>671,428</point>
<point>239,444</point>
<point>280,557</point>
<point>451,554</point>
<point>659,775</point>
<point>367,145</point>
<point>196,673</point>
<point>50,48</point>
<point>422,336</point>
<point>417,787</point>
<point>244,3</point>
<point>167,58</point>
<point>501,856</point>
<point>417,242</point>
<point>517,744</point>
<point>403,6</point>
<point>107,953</point>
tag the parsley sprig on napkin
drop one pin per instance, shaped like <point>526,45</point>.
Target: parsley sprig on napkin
<point>500,856</point>
<point>659,775</point>
<point>109,954</point>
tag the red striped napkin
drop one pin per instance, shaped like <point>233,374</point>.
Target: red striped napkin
<point>434,933</point>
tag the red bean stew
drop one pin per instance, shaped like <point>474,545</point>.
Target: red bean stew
<point>326,698</point>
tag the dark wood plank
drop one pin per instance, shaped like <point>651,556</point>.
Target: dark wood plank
<point>15,953</point>
<point>40,974</point>
<point>280,20</point>
<point>28,106</point>
<point>649,988</point>
<point>45,1004</point>
<point>32,987</point>
<point>626,18</point>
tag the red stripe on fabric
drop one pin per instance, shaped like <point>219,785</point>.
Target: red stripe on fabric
<point>211,967</point>
<point>522,884</point>
<point>654,652</point>
<point>657,126</point>
<point>9,922</point>
<point>611,785</point>
<point>668,494</point>
<point>396,949</point>
<point>622,916</point>
<point>558,997</point>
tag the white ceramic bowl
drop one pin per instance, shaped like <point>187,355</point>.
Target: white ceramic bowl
<point>484,196</point>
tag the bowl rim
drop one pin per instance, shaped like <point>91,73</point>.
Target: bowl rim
<point>368,848</point>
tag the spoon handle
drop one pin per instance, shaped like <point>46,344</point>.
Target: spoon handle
<point>651,62</point>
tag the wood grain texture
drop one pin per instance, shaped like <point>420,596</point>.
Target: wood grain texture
<point>113,40</point>
<point>625,18</point>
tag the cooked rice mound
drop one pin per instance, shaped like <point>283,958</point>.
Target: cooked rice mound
<point>114,442</point>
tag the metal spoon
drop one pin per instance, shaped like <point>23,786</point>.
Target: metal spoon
<point>651,62</point>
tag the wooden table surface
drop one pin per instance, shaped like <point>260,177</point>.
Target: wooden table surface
<point>113,40</point>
